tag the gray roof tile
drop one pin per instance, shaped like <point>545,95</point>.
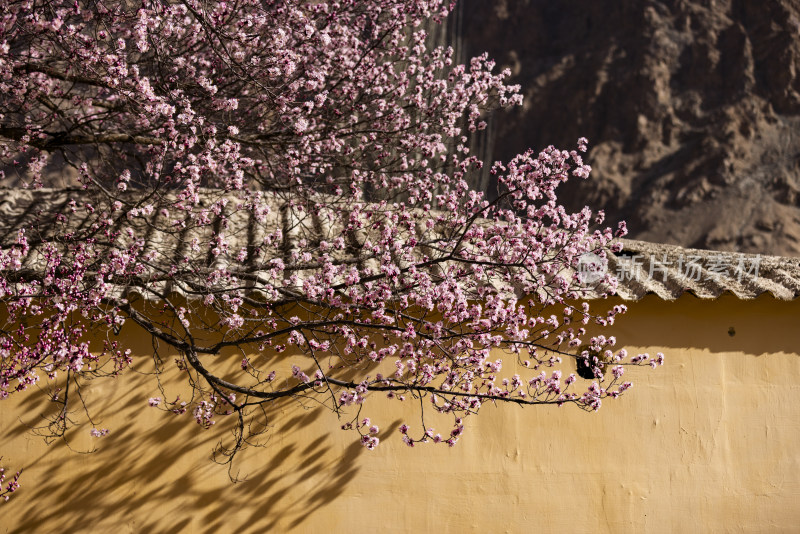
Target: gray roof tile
<point>642,268</point>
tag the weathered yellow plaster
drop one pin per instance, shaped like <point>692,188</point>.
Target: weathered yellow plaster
<point>710,442</point>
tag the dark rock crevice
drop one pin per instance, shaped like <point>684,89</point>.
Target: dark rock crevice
<point>692,108</point>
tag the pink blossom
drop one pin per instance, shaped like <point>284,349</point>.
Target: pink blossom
<point>289,184</point>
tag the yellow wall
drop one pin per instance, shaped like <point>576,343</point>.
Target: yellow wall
<point>709,442</point>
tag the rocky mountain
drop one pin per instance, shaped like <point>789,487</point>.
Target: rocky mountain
<point>692,108</point>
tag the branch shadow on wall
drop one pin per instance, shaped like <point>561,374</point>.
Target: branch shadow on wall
<point>159,478</point>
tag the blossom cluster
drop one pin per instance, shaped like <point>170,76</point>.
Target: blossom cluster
<point>286,179</point>
<point>8,487</point>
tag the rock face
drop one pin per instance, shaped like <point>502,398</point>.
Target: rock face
<point>692,108</point>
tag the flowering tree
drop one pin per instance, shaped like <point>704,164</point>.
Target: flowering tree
<point>285,178</point>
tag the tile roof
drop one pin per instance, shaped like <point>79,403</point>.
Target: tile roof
<point>669,271</point>
<point>642,268</point>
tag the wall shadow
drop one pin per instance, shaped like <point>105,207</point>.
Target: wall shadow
<point>760,326</point>
<point>153,472</point>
